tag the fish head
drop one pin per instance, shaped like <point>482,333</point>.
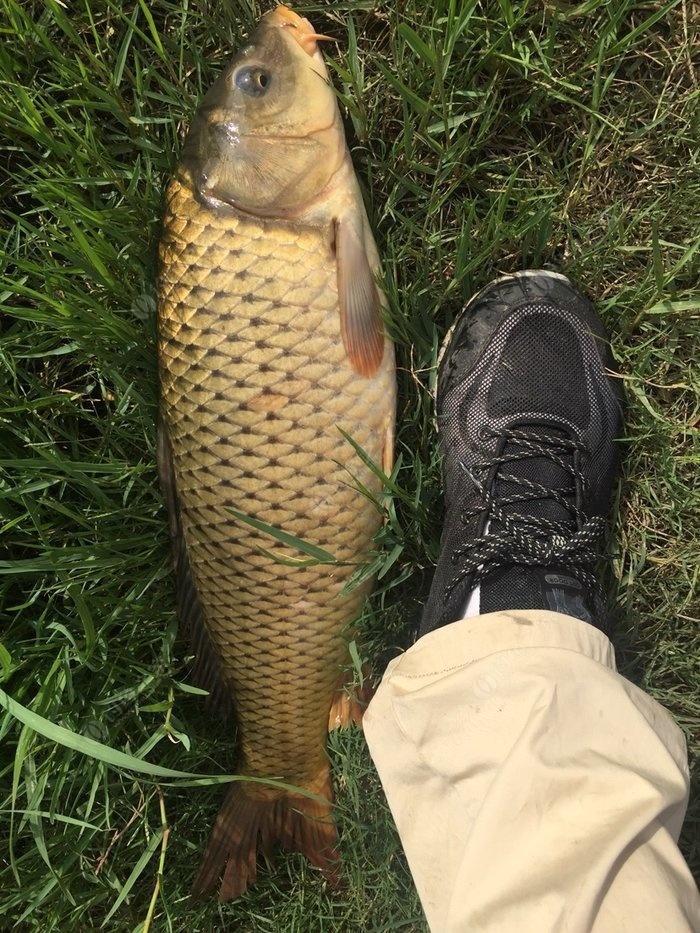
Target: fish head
<point>267,137</point>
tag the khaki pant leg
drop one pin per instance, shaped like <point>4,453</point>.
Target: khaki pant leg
<point>533,787</point>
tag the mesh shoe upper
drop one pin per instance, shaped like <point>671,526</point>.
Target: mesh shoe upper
<point>527,418</point>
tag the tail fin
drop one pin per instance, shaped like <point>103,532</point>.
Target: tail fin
<point>246,825</point>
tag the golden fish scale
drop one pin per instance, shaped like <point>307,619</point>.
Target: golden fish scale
<point>255,383</point>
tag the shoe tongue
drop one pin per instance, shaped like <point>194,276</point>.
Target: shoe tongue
<point>542,471</point>
<point>527,587</point>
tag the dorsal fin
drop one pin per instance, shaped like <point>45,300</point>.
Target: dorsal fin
<point>206,670</point>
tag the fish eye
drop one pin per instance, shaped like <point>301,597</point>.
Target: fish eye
<point>253,81</point>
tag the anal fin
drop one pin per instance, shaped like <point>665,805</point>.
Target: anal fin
<point>350,701</point>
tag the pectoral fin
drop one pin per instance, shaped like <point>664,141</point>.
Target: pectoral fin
<point>360,317</point>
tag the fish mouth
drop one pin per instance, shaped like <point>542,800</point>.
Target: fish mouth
<point>300,29</point>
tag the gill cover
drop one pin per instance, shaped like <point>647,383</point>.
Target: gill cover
<point>267,136</point>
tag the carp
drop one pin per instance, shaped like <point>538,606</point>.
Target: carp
<point>275,374</point>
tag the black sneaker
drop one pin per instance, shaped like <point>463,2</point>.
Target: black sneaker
<point>527,420</point>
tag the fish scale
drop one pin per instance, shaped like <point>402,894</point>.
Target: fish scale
<point>255,385</point>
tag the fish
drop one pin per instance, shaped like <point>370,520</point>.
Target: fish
<point>276,417</point>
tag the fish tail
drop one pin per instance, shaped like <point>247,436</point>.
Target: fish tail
<point>247,825</point>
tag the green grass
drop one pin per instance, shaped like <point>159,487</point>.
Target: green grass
<point>488,137</point>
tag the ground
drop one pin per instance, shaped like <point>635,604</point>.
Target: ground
<point>488,137</point>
